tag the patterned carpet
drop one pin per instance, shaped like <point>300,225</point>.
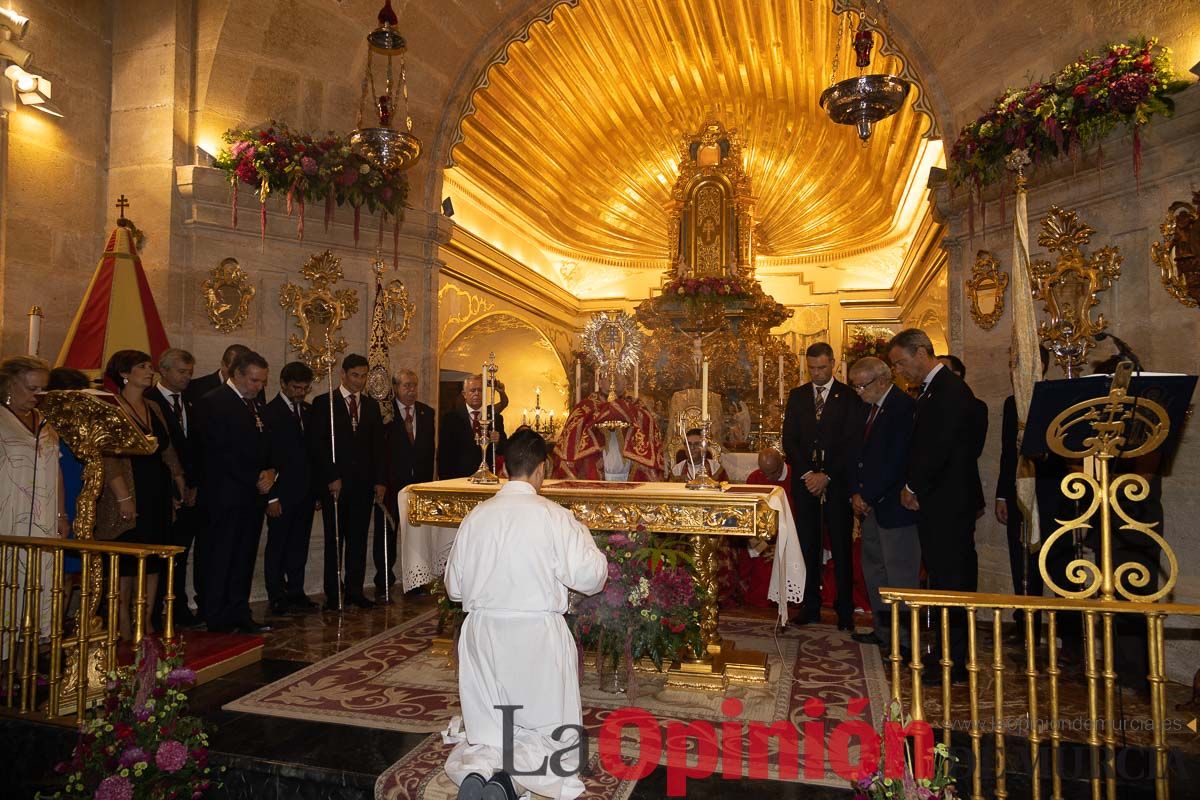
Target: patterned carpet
<point>391,681</point>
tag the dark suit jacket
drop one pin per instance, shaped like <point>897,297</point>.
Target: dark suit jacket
<point>198,387</point>
<point>289,451</point>
<point>834,434</point>
<point>881,457</point>
<point>941,461</point>
<point>979,429</point>
<point>233,450</point>
<point>458,456</point>
<point>361,453</point>
<point>184,443</point>
<point>1049,473</point>
<point>410,462</point>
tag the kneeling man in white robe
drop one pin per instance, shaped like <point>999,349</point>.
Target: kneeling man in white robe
<point>513,560</point>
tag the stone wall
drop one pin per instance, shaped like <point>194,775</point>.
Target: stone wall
<point>1164,333</point>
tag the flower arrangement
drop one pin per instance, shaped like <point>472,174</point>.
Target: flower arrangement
<point>1126,83</point>
<point>729,288</point>
<point>649,608</point>
<point>141,744</point>
<point>892,776</point>
<point>867,342</point>
<point>276,159</point>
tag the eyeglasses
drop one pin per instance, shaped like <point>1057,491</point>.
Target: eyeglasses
<point>860,388</point>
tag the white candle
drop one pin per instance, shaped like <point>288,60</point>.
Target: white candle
<point>637,383</point>
<point>781,378</point>
<point>704,390</point>
<point>761,361</point>
<point>578,381</point>
<point>35,330</point>
<point>538,393</point>
<point>524,416</point>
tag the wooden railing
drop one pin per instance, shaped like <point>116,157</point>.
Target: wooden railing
<point>81,649</point>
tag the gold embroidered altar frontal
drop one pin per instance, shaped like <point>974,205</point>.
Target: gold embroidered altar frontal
<point>612,506</point>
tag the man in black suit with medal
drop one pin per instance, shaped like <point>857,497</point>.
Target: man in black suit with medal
<point>237,482</point>
<point>350,484</point>
<point>458,456</point>
<point>175,367</point>
<point>289,522</point>
<point>410,460</point>
<point>818,428</point>
<point>198,387</point>
<point>939,481</point>
<point>979,430</point>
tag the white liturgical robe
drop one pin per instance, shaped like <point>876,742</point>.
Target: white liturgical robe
<point>513,560</point>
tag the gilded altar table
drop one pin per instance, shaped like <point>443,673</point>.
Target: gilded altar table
<point>431,511</point>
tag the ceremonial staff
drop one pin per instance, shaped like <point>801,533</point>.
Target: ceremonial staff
<point>328,359</point>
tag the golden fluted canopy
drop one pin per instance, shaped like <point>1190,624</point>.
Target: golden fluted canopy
<point>577,134</point>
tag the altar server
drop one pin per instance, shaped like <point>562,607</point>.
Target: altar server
<point>513,560</point>
<point>687,462</point>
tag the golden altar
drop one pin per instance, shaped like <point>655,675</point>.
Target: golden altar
<point>736,510</point>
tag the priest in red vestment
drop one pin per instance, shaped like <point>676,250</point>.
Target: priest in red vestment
<point>609,436</point>
<point>755,560</point>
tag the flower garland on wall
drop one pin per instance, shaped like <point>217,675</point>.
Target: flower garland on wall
<point>309,168</point>
<point>867,341</point>
<point>1126,83</point>
<point>141,743</point>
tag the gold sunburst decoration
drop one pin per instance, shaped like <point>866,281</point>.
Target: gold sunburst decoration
<point>613,341</point>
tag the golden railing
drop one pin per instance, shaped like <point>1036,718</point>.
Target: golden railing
<point>1094,433</point>
<point>81,648</point>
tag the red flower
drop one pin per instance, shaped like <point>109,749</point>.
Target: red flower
<point>123,730</point>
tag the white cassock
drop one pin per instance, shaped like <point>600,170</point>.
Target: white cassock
<point>512,562</point>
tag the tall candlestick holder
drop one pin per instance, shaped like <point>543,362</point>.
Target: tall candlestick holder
<point>702,480</point>
<point>487,423</point>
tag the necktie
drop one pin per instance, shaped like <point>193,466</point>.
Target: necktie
<point>871,420</point>
<point>352,402</point>
<point>408,425</point>
<point>819,403</point>
<point>178,409</point>
<point>253,410</point>
<point>299,418</point>
<point>924,389</point>
<point>475,422</point>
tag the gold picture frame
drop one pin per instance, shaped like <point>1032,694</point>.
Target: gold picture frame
<point>985,289</point>
<point>227,296</point>
<point>1178,254</point>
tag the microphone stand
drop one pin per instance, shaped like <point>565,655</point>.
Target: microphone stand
<point>329,360</point>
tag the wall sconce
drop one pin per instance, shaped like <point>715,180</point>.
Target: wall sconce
<point>32,90</point>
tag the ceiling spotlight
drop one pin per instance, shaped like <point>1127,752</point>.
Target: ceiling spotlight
<point>14,22</point>
<point>32,90</point>
<point>18,55</point>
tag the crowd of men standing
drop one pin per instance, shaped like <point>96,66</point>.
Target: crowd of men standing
<point>246,458</point>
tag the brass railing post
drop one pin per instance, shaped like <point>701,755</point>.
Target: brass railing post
<point>57,612</point>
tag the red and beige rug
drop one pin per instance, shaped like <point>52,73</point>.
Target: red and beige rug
<point>393,682</point>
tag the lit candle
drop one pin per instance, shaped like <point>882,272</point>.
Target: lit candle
<point>524,416</point>
<point>538,393</point>
<point>35,330</point>
<point>578,381</point>
<point>704,391</point>
<point>637,383</point>
<point>761,361</point>
<point>781,378</point>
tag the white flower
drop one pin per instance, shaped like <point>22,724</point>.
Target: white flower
<point>364,168</point>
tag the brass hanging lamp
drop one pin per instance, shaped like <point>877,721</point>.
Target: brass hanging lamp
<point>864,100</point>
<point>385,146</point>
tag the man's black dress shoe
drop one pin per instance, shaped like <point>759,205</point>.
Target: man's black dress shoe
<point>868,638</point>
<point>302,603</point>
<point>806,617</point>
<point>934,677</point>
<point>184,618</point>
<point>845,623</point>
<point>500,787</point>
<point>253,628</point>
<point>360,602</point>
<point>330,605</point>
<point>280,608</point>
<point>472,787</point>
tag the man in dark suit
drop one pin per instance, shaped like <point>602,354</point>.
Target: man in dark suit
<point>289,522</point>
<point>175,369</point>
<point>237,481</point>
<point>817,434</point>
<point>891,549</point>
<point>458,455</point>
<point>979,429</point>
<point>939,481</point>
<point>198,387</point>
<point>352,478</point>
<point>410,460</point>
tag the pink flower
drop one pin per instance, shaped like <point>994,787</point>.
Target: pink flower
<point>347,178</point>
<point>308,165</point>
<point>132,756</point>
<point>181,676</point>
<point>114,787</point>
<point>171,756</point>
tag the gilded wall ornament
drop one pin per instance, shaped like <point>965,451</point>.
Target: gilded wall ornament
<point>986,288</point>
<point>319,310</point>
<point>227,296</point>
<point>1069,288</point>
<point>1178,254</point>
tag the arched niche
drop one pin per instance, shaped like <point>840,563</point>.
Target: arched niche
<point>526,359</point>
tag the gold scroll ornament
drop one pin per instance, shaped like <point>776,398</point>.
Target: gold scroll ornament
<point>1178,254</point>
<point>227,296</point>
<point>986,288</point>
<point>319,311</point>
